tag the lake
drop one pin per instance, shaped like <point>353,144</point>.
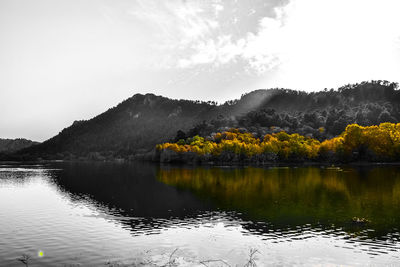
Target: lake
<point>110,214</point>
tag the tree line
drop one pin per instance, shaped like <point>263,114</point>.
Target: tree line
<point>366,143</point>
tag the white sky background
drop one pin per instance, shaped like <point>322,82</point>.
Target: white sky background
<point>66,60</point>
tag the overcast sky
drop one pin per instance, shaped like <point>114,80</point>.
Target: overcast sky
<point>66,60</point>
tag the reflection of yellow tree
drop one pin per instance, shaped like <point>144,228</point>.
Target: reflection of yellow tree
<point>303,195</point>
<point>254,182</point>
<point>377,142</point>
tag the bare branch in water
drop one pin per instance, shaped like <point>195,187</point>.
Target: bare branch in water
<point>209,261</point>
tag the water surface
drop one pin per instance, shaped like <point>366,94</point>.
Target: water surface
<point>91,214</point>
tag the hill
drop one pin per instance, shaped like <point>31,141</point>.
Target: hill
<point>140,122</point>
<point>13,145</point>
<point>135,124</point>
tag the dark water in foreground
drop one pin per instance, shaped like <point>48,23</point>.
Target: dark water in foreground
<point>94,214</point>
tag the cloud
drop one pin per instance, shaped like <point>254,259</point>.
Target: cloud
<point>214,33</point>
<point>175,27</point>
<point>217,52</point>
<point>356,39</point>
<point>259,50</point>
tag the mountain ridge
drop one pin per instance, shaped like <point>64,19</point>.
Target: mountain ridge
<point>8,145</point>
<point>138,123</point>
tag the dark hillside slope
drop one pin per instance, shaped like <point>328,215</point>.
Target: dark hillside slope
<point>352,94</point>
<point>137,123</point>
<point>13,145</point>
<point>321,114</point>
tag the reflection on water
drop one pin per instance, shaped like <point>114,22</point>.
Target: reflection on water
<point>98,213</point>
<point>290,197</point>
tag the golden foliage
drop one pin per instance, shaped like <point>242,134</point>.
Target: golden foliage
<point>379,142</point>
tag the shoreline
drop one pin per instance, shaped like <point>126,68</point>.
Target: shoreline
<point>213,163</point>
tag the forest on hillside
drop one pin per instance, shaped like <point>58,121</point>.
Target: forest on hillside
<point>13,145</point>
<point>320,115</point>
<point>137,124</point>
